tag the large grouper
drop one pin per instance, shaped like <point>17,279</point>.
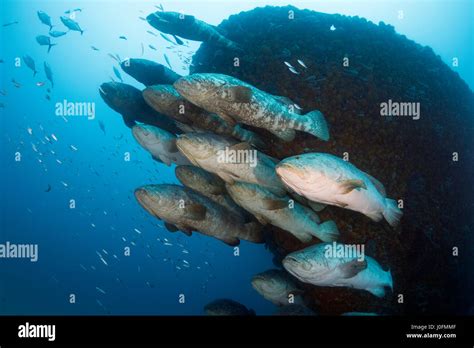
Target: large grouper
<point>278,287</point>
<point>238,102</point>
<point>186,210</point>
<point>283,212</point>
<point>321,265</point>
<point>209,185</point>
<point>159,143</point>
<point>230,160</point>
<point>328,179</point>
<point>190,118</point>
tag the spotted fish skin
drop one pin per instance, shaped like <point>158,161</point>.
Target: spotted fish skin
<point>209,185</point>
<point>328,179</point>
<point>238,102</point>
<point>205,149</point>
<point>190,211</point>
<point>314,265</point>
<point>166,100</point>
<point>300,221</point>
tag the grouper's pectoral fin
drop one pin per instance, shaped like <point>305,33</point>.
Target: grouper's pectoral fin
<point>348,185</point>
<point>239,94</point>
<point>352,268</point>
<point>275,204</point>
<point>195,211</point>
<point>170,146</point>
<point>284,134</point>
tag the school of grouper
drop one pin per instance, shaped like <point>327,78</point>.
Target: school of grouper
<point>191,120</point>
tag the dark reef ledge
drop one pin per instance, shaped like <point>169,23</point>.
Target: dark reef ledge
<point>413,158</point>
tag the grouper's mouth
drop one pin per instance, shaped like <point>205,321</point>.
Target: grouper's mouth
<point>290,263</point>
<point>285,171</point>
<point>143,197</point>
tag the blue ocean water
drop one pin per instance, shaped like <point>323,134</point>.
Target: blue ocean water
<point>87,164</point>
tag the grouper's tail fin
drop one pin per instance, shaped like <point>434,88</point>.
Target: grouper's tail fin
<point>313,123</point>
<point>392,213</point>
<point>253,232</point>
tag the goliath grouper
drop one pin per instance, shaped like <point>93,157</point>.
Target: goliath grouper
<point>314,265</point>
<point>159,143</point>
<point>166,100</point>
<point>128,101</point>
<point>300,221</point>
<point>186,210</point>
<point>277,286</point>
<point>230,160</point>
<point>238,102</point>
<point>209,185</point>
<point>328,179</point>
<point>188,27</point>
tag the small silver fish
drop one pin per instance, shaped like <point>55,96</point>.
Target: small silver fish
<point>293,70</point>
<point>167,61</point>
<point>100,290</point>
<point>300,62</point>
<point>166,38</point>
<point>117,73</point>
<point>56,33</point>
